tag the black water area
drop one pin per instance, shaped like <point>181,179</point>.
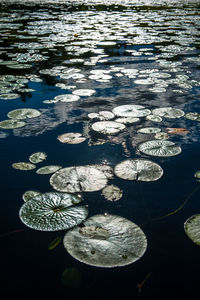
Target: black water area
<point>109,54</point>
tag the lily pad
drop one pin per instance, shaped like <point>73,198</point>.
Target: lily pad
<point>48,169</point>
<point>71,138</point>
<point>28,195</point>
<point>112,192</point>
<point>131,111</point>
<point>37,157</point>
<point>194,116</point>
<point>53,211</point>
<point>106,241</point>
<point>108,127</point>
<point>138,169</point>
<point>78,179</point>
<point>154,118</point>
<point>161,148</point>
<point>66,98</point>
<point>24,113</point>
<point>9,96</point>
<point>12,124</point>
<point>197,174</point>
<point>149,130</point>
<point>127,120</point>
<point>191,227</point>
<point>84,92</point>
<point>168,112</point>
<point>24,166</point>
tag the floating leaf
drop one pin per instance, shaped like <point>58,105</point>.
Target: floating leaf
<point>108,127</point>
<point>71,278</point>
<point>154,118</point>
<point>12,124</point>
<point>78,179</point>
<point>138,169</point>
<point>24,113</point>
<point>9,96</point>
<point>106,241</point>
<point>161,136</point>
<point>197,174</point>
<point>48,169</point>
<point>71,138</point>
<point>160,148</point>
<point>131,111</point>
<point>177,130</point>
<point>24,166</point>
<point>37,157</point>
<point>53,211</point>
<point>191,227</point>
<point>127,120</point>
<point>168,112</point>
<point>112,192</point>
<point>194,116</point>
<point>66,98</point>
<point>84,92</point>
<point>149,130</point>
<point>28,195</point>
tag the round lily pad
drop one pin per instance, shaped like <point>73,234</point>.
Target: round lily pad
<point>161,148</point>
<point>197,174</point>
<point>131,111</point>
<point>127,120</point>
<point>37,157</point>
<point>53,211</point>
<point>9,96</point>
<point>28,195</point>
<point>12,124</point>
<point>24,113</point>
<point>71,138</point>
<point>84,92</point>
<point>108,127</point>
<point>138,169</point>
<point>24,166</point>
<point>106,241</point>
<point>154,118</point>
<point>149,130</point>
<point>78,179</point>
<point>66,98</point>
<point>191,227</point>
<point>112,192</point>
<point>194,116</point>
<point>48,169</point>
<point>168,112</point>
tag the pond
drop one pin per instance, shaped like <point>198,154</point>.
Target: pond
<point>100,145</point>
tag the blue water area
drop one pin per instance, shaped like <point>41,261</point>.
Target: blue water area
<point>143,53</point>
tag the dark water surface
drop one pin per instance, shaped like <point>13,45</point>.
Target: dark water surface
<point>147,53</point>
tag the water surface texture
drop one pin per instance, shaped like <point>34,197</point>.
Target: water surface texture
<point>100,55</point>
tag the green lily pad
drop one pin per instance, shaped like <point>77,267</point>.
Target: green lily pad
<point>78,179</point>
<point>108,127</point>
<point>168,112</point>
<point>48,169</point>
<point>131,111</point>
<point>106,241</point>
<point>194,116</point>
<point>28,195</point>
<point>12,124</point>
<point>84,92</point>
<point>37,157</point>
<point>197,174</point>
<point>138,169</point>
<point>24,113</point>
<point>71,138</point>
<point>161,148</point>
<point>112,192</point>
<point>9,96</point>
<point>24,166</point>
<point>154,118</point>
<point>53,211</point>
<point>149,130</point>
<point>66,98</point>
<point>191,227</point>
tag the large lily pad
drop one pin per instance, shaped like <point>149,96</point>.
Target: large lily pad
<point>53,211</point>
<point>78,179</point>
<point>161,148</point>
<point>138,169</point>
<point>131,111</point>
<point>12,124</point>
<point>168,112</point>
<point>24,113</point>
<point>191,227</point>
<point>106,241</point>
<point>108,127</point>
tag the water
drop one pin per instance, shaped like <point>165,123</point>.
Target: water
<point>154,61</point>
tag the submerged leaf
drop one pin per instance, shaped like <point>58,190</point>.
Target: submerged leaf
<point>106,241</point>
<point>78,179</point>
<point>161,148</point>
<point>71,278</point>
<point>177,130</point>
<point>138,169</point>
<point>191,227</point>
<point>53,211</point>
